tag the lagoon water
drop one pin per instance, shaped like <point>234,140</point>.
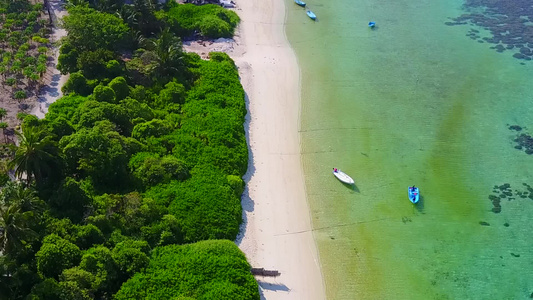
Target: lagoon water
<point>413,101</point>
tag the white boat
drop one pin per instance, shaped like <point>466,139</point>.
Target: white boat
<point>342,176</point>
<point>413,193</point>
<point>311,15</point>
<point>300,3</point>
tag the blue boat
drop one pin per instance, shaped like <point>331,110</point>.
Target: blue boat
<point>311,15</point>
<point>371,24</point>
<point>301,3</point>
<point>414,194</point>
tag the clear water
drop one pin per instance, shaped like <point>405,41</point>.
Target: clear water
<point>412,102</point>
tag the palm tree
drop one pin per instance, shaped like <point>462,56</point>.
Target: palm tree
<point>26,197</point>
<point>35,151</point>
<point>14,227</point>
<point>168,51</point>
<point>3,114</point>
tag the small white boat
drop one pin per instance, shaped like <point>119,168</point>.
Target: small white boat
<point>342,176</point>
<point>413,193</point>
<point>311,15</point>
<point>300,3</point>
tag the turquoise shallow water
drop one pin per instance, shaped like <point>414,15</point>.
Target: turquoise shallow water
<point>413,102</point>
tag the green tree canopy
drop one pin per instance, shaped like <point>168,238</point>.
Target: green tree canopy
<point>90,30</point>
<point>204,270</point>
<point>151,170</point>
<point>100,153</point>
<point>55,255</point>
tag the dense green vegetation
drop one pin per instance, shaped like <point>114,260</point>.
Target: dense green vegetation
<point>174,272</point>
<point>130,171</point>
<point>209,20</point>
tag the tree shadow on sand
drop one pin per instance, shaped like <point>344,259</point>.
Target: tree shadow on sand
<point>268,286</point>
<point>246,202</point>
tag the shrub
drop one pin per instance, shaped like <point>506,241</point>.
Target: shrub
<point>207,270</point>
<point>11,81</point>
<point>55,255</point>
<point>104,94</point>
<point>77,83</point>
<point>120,87</point>
<point>20,94</point>
<point>213,27</point>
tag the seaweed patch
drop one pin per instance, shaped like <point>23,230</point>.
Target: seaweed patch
<point>523,140</point>
<point>505,192</point>
<point>507,24</point>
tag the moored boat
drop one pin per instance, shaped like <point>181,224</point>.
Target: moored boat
<point>371,24</point>
<point>301,3</point>
<point>311,15</point>
<point>413,193</point>
<point>343,176</point>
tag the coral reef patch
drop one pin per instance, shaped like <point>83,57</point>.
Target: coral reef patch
<point>508,24</point>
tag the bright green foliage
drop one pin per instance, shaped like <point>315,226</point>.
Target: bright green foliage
<point>120,87</point>
<point>150,166</point>
<point>100,153</point>
<point>76,83</point>
<point>60,127</point>
<point>88,235</point>
<point>172,93</point>
<point>205,205</point>
<point>20,95</point>
<point>137,110</point>
<point>90,112</point>
<point>99,262</point>
<point>55,255</point>
<point>131,257</point>
<point>89,30</point>
<point>214,113</point>
<point>62,227</point>
<point>114,68</point>
<point>211,20</point>
<point>236,184</point>
<point>104,94</point>
<point>213,27</point>
<point>205,270</point>
<point>153,128</point>
<point>166,232</point>
<point>83,279</point>
<point>151,170</point>
<point>65,107</point>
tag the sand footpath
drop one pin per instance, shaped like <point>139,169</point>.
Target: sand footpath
<point>53,79</point>
<point>276,233</point>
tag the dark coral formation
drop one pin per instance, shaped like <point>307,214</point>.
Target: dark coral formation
<point>504,192</point>
<point>524,141</point>
<point>508,22</point>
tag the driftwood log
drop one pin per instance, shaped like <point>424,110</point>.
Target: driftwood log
<point>263,272</point>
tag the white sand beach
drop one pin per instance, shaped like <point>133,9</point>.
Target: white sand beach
<point>276,233</point>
